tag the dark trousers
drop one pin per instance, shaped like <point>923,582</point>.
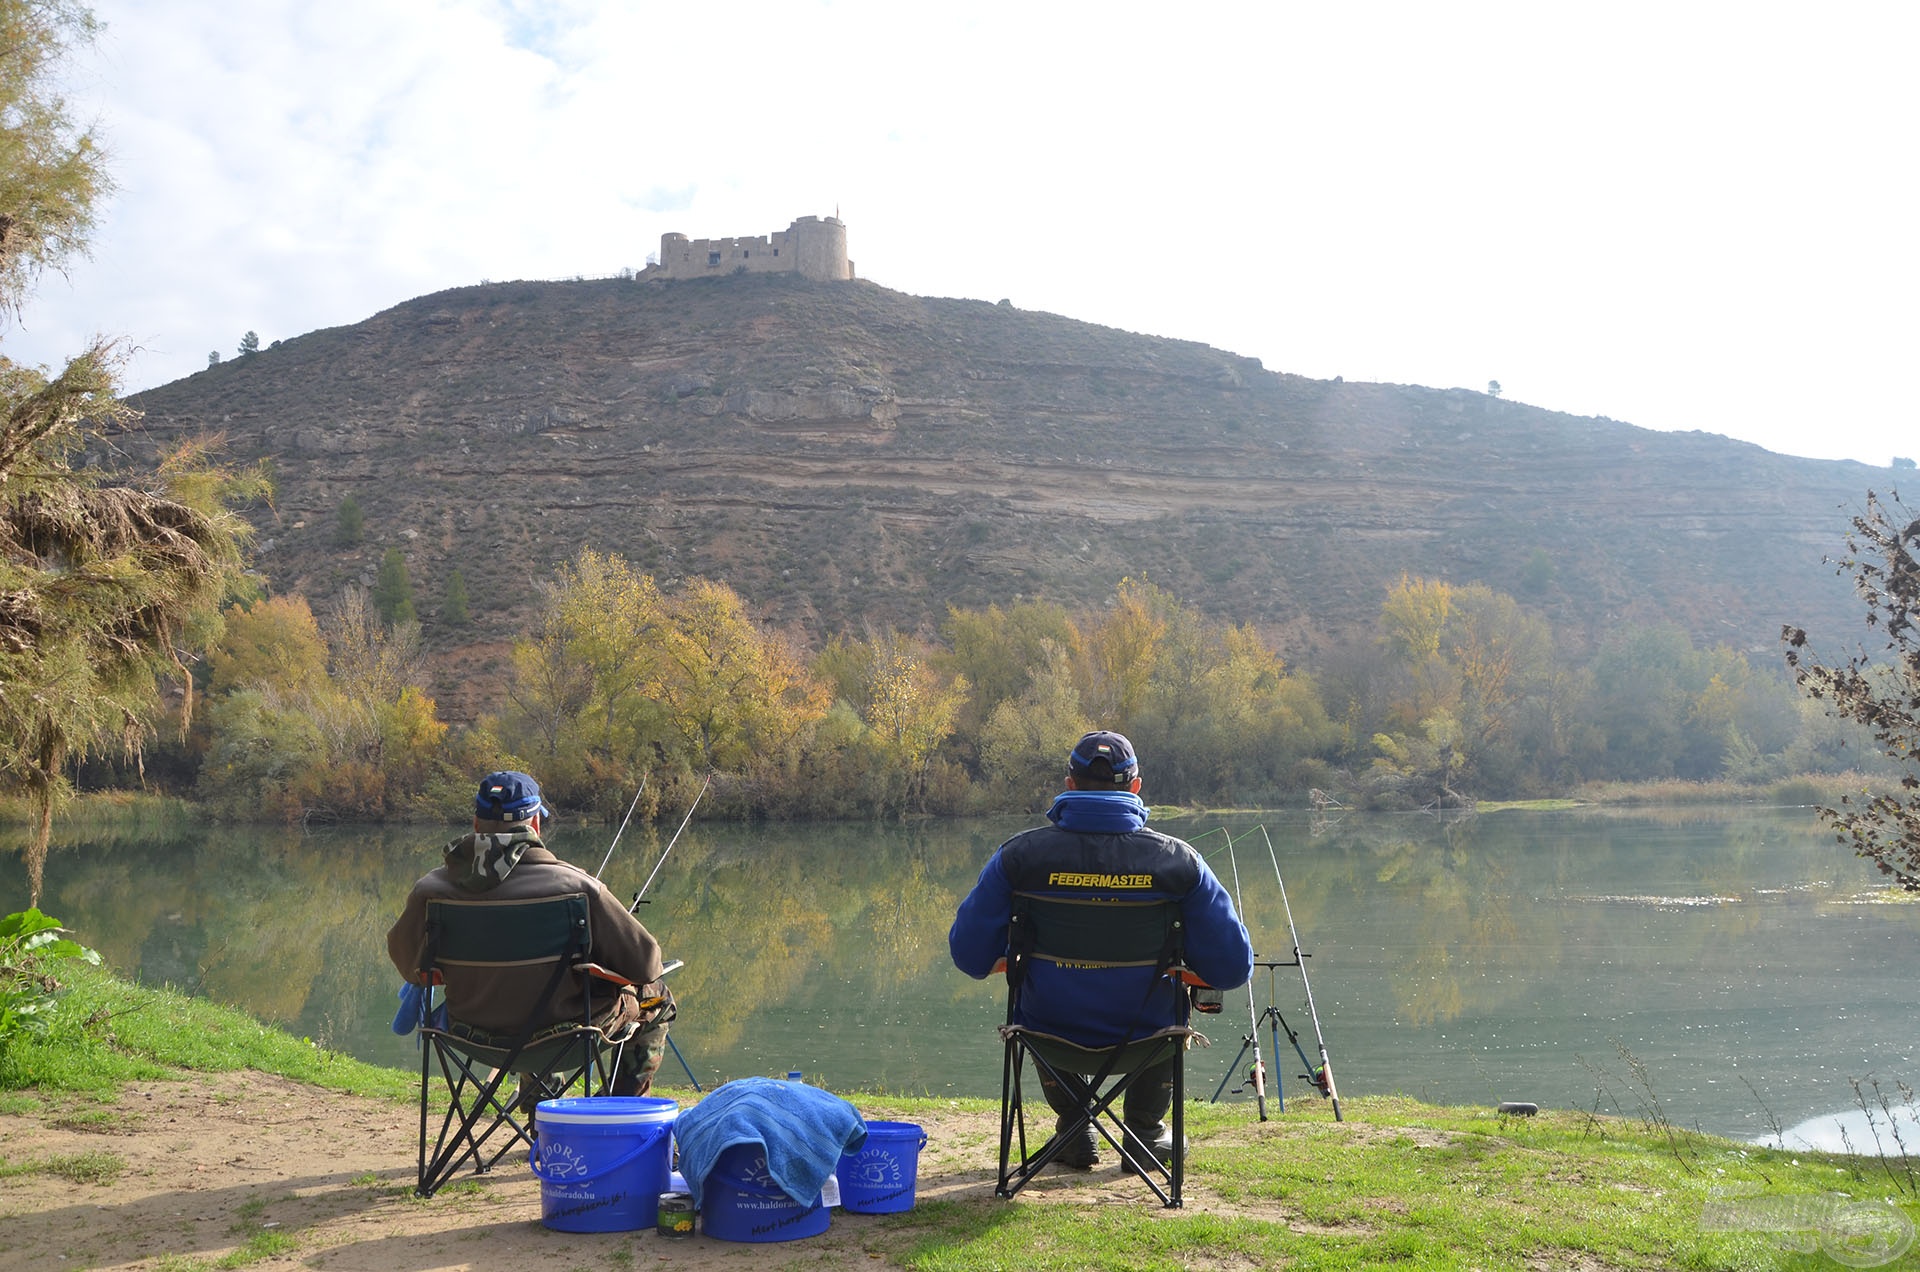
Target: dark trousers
<point>1143,1107</point>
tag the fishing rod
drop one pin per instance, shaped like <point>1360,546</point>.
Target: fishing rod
<point>1253,1011</point>
<point>623,827</point>
<point>1323,1076</point>
<point>640,896</point>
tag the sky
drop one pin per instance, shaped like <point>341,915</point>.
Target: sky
<point>1693,215</point>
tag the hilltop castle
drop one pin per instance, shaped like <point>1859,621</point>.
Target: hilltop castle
<point>812,247</point>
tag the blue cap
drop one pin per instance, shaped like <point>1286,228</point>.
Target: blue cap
<point>508,797</point>
<point>1103,758</point>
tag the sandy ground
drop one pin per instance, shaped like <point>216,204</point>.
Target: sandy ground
<point>213,1161</point>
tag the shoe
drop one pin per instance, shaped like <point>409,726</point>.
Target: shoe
<point>1079,1150</point>
<point>1159,1138</point>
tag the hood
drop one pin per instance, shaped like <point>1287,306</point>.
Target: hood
<point>481,863</point>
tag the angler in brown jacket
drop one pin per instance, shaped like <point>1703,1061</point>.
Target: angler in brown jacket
<point>504,860</point>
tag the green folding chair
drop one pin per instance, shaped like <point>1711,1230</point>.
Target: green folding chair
<point>480,1124</point>
<point>1093,934</point>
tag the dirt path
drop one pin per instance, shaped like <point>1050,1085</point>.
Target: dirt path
<point>223,1159</point>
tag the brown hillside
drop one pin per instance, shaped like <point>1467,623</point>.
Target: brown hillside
<point>841,453</point>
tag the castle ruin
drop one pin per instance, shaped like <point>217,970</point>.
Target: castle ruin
<point>812,247</point>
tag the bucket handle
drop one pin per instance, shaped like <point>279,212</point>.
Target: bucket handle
<point>533,1160</point>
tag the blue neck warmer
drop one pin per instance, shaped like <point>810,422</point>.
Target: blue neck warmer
<point>1098,812</point>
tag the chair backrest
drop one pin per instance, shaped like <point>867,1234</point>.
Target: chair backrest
<point>462,933</point>
<point>1093,932</point>
<point>502,961</point>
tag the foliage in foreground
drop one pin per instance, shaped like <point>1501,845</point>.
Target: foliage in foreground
<point>30,942</point>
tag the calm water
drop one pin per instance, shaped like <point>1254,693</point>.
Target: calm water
<point>1727,968</point>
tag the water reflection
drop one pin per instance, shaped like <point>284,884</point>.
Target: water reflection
<point>1726,966</point>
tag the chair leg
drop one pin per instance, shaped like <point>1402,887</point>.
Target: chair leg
<point>1179,1163</point>
<point>470,1098</point>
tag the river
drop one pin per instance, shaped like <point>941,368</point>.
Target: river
<point>1730,970</point>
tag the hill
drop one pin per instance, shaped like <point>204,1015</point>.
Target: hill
<point>844,454</point>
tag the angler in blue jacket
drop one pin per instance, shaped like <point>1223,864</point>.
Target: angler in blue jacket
<point>1097,830</point>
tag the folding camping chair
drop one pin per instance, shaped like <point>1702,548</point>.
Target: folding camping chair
<point>545,1061</point>
<point>1094,934</point>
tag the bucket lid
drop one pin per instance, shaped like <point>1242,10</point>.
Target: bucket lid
<point>603,1110</point>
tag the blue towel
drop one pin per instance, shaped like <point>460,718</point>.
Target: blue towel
<point>803,1129</point>
<point>413,999</point>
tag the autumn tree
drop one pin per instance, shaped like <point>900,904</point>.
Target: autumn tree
<point>272,644</point>
<point>907,703</point>
<point>106,579</point>
<point>583,689</point>
<point>330,722</point>
<point>999,651</point>
<point>738,697</point>
<point>1120,651</point>
<point>1879,689</point>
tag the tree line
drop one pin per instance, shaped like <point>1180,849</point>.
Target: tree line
<point>619,686</point>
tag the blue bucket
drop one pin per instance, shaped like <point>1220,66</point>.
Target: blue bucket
<point>878,1179</point>
<point>602,1161</point>
<point>742,1203</point>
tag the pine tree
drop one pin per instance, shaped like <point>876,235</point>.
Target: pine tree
<point>453,604</point>
<point>393,590</point>
<point>350,524</point>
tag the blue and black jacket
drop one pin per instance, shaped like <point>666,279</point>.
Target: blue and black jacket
<point>1092,837</point>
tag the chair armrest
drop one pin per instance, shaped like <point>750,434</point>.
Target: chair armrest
<point>600,973</point>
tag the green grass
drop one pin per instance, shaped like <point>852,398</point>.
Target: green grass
<point>1397,1183</point>
<point>78,1168</point>
<point>107,1031</point>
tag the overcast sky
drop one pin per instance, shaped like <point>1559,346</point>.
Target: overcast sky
<point>1679,215</point>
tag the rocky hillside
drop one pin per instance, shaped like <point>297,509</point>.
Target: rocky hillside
<point>841,454</point>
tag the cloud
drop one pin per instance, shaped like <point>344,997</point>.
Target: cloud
<point>1664,215</point>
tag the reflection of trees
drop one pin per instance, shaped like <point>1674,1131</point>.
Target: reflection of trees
<point>847,914</point>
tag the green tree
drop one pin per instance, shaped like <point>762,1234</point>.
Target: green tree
<point>393,589</point>
<point>213,358</point>
<point>52,172</point>
<point>106,579</point>
<point>453,601</point>
<point>349,523</point>
<point>1878,690</point>
<point>249,344</point>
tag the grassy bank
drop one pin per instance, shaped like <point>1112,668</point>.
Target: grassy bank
<point>1396,1183</point>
